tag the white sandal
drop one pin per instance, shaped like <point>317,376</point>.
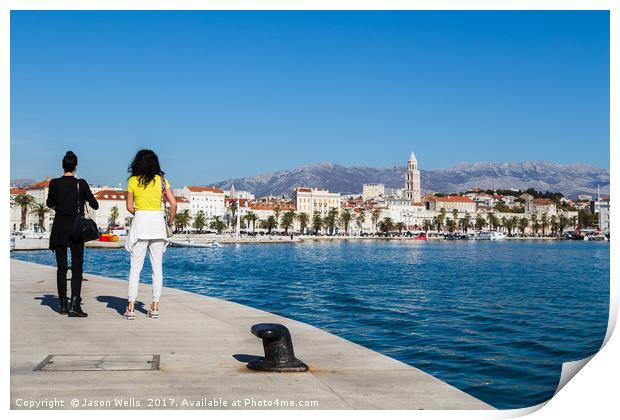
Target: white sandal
<point>129,315</point>
<point>153,314</point>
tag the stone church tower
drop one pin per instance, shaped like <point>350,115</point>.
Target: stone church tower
<point>412,180</point>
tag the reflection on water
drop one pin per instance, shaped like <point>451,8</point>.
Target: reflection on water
<point>495,319</point>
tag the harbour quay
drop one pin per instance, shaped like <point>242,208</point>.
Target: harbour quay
<point>193,357</point>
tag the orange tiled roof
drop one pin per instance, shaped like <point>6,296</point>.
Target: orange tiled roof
<point>181,199</point>
<point>111,195</point>
<point>452,199</point>
<point>18,191</point>
<point>543,201</point>
<point>42,184</point>
<point>206,189</point>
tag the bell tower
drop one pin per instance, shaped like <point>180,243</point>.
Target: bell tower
<point>412,180</point>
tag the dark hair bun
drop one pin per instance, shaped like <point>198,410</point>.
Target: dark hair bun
<point>69,162</point>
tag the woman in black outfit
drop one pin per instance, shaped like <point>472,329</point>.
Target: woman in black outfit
<point>63,198</point>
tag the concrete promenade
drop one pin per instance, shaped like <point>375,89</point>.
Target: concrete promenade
<point>203,346</point>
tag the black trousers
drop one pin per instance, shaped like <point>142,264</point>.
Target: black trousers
<point>77,262</point>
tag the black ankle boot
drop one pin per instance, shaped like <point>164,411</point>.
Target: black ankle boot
<point>63,306</point>
<point>75,309</point>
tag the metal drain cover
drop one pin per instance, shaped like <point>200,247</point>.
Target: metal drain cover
<point>99,362</point>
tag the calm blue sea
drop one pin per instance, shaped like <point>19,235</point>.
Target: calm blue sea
<point>495,319</point>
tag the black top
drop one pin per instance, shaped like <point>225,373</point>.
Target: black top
<point>62,197</point>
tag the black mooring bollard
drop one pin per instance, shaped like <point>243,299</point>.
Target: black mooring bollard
<point>279,354</point>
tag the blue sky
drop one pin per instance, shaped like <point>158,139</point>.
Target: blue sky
<point>232,94</point>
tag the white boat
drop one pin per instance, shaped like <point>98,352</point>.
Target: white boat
<point>491,235</point>
<point>190,243</point>
<point>599,237</point>
<point>12,243</point>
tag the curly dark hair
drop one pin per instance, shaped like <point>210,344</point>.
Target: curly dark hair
<point>145,165</point>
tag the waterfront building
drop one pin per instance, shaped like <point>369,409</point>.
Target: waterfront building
<point>412,215</point>
<point>208,199</point>
<point>308,200</point>
<point>601,208</point>
<point>15,218</point>
<point>459,203</point>
<point>412,180</point>
<point>372,191</point>
<point>38,191</point>
<point>108,201</point>
<point>540,206</point>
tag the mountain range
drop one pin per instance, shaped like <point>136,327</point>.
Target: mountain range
<point>569,179</point>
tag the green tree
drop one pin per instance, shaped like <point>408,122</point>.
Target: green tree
<point>217,224</point>
<point>40,210</point>
<point>553,223</point>
<point>450,224</point>
<point>288,219</point>
<point>374,218</point>
<point>277,211</point>
<point>233,212</point>
<point>480,222</point>
<point>427,225</point>
<point>251,217</point>
<point>386,225</point>
<point>182,220</point>
<point>331,220</point>
<point>493,221</point>
<point>455,216</point>
<point>317,222</point>
<point>200,221</point>
<point>346,218</point>
<point>303,221</point>
<point>544,223</point>
<point>523,224</point>
<point>113,215</point>
<point>400,226</point>
<point>361,219</point>
<point>562,223</point>
<point>270,223</point>
<point>466,222</point>
<point>25,201</point>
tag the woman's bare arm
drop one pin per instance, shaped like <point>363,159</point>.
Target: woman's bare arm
<point>130,206</point>
<point>173,205</point>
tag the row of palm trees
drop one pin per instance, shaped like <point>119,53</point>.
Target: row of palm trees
<point>539,223</point>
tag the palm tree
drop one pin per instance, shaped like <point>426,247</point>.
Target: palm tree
<point>455,215</point>
<point>544,223</point>
<point>41,210</point>
<point>270,223</point>
<point>523,224</point>
<point>480,223</point>
<point>493,221</point>
<point>503,221</point>
<point>513,222</point>
<point>217,224</point>
<point>386,225</point>
<point>250,217</point>
<point>317,222</point>
<point>346,218</point>
<point>374,218</point>
<point>534,220</point>
<point>24,201</point>
<point>562,223</point>
<point>277,210</point>
<point>113,215</point>
<point>574,220</point>
<point>200,221</point>
<point>361,219</point>
<point>465,222</point>
<point>441,219</point>
<point>427,225</point>
<point>303,221</point>
<point>400,226</point>
<point>450,225</point>
<point>288,219</point>
<point>233,212</point>
<point>331,219</point>
<point>553,222</point>
<point>182,220</point>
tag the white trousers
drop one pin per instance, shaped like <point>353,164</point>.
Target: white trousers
<point>156,248</point>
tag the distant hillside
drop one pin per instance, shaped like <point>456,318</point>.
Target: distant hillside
<point>570,179</point>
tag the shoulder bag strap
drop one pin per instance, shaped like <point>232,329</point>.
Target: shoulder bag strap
<point>163,196</point>
<point>78,196</point>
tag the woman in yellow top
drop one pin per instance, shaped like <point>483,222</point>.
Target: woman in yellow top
<point>147,192</point>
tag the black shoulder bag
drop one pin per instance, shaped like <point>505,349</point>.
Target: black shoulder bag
<point>84,228</point>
